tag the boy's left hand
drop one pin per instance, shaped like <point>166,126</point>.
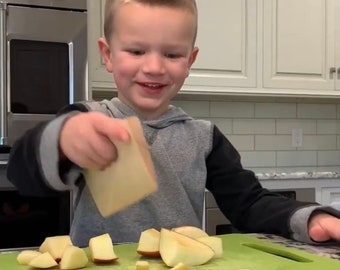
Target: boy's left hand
<point>323,227</point>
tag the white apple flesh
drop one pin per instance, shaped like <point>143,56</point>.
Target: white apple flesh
<point>215,243</point>
<point>44,260</point>
<point>55,245</point>
<point>191,231</point>
<point>180,266</point>
<point>142,265</point>
<point>73,258</point>
<point>25,256</point>
<point>101,249</point>
<point>178,248</point>
<point>148,244</point>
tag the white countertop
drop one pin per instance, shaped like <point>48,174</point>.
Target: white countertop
<point>298,175</point>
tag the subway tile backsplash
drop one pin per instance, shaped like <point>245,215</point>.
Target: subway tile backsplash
<point>262,132</point>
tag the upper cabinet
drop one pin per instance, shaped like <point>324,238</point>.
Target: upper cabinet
<point>301,46</point>
<point>226,38</point>
<point>252,47</point>
<point>227,42</point>
<point>99,78</point>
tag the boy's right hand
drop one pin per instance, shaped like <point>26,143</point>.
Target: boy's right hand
<point>87,139</point>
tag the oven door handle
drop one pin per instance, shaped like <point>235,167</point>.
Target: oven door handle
<point>3,76</point>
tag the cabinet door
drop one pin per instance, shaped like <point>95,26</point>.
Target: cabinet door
<point>99,78</point>
<point>337,43</point>
<point>299,38</point>
<point>226,38</point>
<point>227,42</point>
<point>331,196</point>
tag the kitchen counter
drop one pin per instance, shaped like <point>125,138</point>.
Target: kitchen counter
<point>330,250</point>
<point>298,175</point>
<point>326,184</point>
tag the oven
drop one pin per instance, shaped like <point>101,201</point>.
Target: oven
<point>25,221</point>
<point>43,61</point>
<point>43,67</point>
<point>216,223</point>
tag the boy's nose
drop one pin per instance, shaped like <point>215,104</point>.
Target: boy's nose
<point>154,64</point>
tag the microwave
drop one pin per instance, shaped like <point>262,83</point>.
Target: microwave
<point>43,62</point>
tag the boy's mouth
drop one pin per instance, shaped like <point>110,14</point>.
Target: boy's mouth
<point>152,86</point>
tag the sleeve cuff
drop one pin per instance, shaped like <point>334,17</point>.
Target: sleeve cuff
<point>299,221</point>
<point>49,155</point>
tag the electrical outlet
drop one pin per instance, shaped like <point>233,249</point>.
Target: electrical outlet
<point>296,137</point>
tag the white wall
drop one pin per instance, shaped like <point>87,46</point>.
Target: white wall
<point>262,132</point>
<point>261,129</point>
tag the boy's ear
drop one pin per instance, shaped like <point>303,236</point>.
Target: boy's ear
<point>106,53</point>
<point>192,57</point>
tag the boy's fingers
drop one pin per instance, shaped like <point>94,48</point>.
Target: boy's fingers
<point>112,128</point>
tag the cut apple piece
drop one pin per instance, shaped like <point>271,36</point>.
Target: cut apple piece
<point>177,248</point>
<point>44,260</point>
<point>142,265</point>
<point>25,256</point>
<point>191,231</point>
<point>148,244</point>
<point>73,258</point>
<point>55,245</point>
<point>180,266</point>
<point>101,249</point>
<point>215,243</point>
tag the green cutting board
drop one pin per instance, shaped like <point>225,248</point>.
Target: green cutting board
<point>241,252</point>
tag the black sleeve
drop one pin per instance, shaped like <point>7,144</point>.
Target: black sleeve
<point>240,196</point>
<point>24,168</point>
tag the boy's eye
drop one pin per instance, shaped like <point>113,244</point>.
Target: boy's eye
<point>172,55</point>
<point>136,52</point>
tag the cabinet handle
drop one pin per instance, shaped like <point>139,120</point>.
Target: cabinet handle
<point>332,70</point>
<point>338,71</point>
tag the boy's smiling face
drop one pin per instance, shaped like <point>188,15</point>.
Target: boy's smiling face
<point>150,53</point>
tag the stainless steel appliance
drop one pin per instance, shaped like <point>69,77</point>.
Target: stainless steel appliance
<point>216,223</point>
<point>43,61</point>
<point>43,67</point>
<point>25,221</point>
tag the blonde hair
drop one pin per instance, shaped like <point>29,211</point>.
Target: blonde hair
<point>112,5</point>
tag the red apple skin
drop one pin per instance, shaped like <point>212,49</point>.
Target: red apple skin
<point>149,243</point>
<point>151,254</point>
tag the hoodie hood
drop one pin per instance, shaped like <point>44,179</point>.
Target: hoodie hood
<point>173,115</point>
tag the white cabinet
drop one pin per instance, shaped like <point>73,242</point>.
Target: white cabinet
<point>301,46</point>
<point>99,78</point>
<point>327,190</point>
<point>227,42</point>
<point>226,38</point>
<point>331,196</point>
<point>252,47</point>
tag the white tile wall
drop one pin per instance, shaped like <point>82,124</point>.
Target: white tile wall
<point>262,132</point>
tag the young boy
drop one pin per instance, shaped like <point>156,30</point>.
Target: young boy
<point>149,47</point>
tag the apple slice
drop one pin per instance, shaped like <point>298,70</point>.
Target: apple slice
<point>73,258</point>
<point>178,248</point>
<point>44,260</point>
<point>101,249</point>
<point>191,231</point>
<point>142,265</point>
<point>25,256</point>
<point>180,266</point>
<point>55,245</point>
<point>215,243</point>
<point>148,244</point>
